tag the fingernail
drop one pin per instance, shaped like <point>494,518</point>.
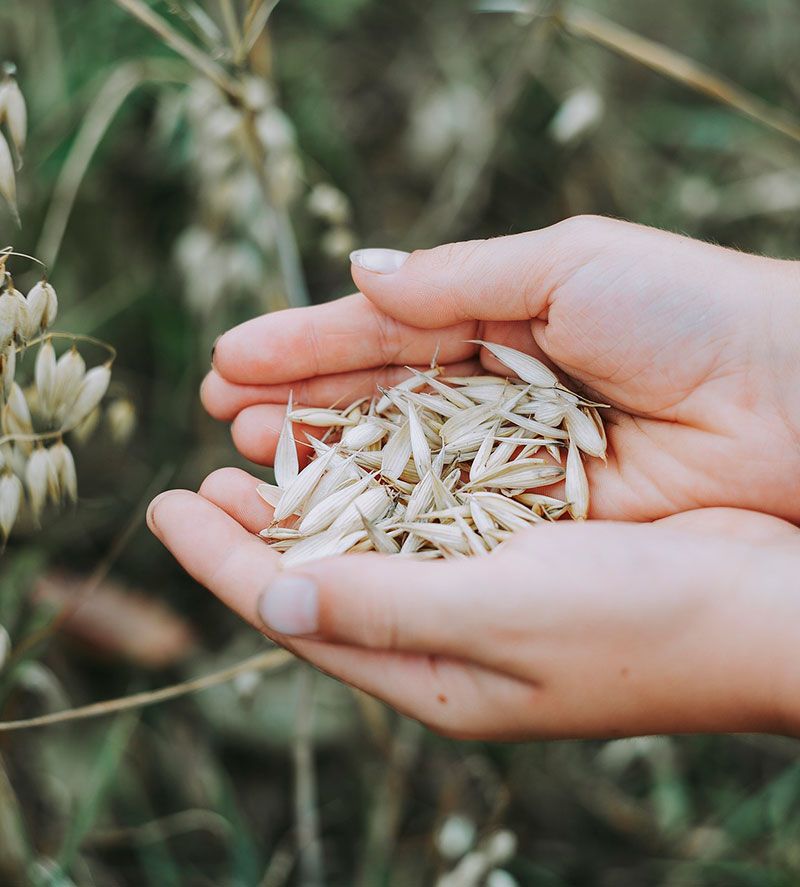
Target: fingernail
<point>289,605</point>
<point>151,511</point>
<point>380,261</point>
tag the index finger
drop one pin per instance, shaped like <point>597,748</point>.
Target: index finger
<point>340,336</point>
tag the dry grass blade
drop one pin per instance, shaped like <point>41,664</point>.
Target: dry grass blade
<point>591,26</point>
<point>268,661</point>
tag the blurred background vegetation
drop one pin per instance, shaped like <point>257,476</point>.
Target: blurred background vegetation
<point>398,124</point>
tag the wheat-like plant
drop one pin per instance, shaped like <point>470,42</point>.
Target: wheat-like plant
<point>63,396</point>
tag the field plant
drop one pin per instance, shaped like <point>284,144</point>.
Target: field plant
<point>190,163</point>
<point>63,397</point>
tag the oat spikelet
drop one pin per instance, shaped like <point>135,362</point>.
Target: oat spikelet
<point>10,501</point>
<point>14,112</point>
<point>45,376</point>
<point>91,392</point>
<point>64,466</point>
<point>8,181</point>
<point>528,368</point>
<point>286,464</point>
<point>42,305</point>
<point>577,485</point>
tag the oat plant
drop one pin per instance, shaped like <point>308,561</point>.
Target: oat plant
<point>54,396</point>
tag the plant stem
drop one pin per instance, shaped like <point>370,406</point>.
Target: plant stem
<point>305,788</point>
<point>182,46</point>
<point>588,25</point>
<point>268,661</point>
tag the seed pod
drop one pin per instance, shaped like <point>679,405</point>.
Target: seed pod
<point>474,541</point>
<point>10,500</point>
<point>93,387</point>
<point>528,368</point>
<point>8,318</point>
<point>419,443</point>
<point>584,432</point>
<point>286,463</point>
<point>324,513</point>
<point>270,493</point>
<point>452,395</point>
<point>8,181</point>
<point>340,473</point>
<point>576,489</point>
<point>481,457</point>
<point>480,518</point>
<point>42,305</point>
<point>319,418</point>
<point>22,312</point>
<point>121,419</point>
<point>8,365</point>
<point>397,452</point>
<point>16,415</point>
<point>328,544</point>
<point>372,504</point>
<point>38,474</point>
<point>523,474</point>
<point>63,465</point>
<point>14,112</point>
<point>365,434</point>
<point>549,413</point>
<point>421,498</point>
<point>412,383</point>
<point>14,458</point>
<point>438,534</point>
<point>379,538</point>
<point>70,369</point>
<point>85,429</point>
<point>296,494</point>
<point>45,376</point>
<point>52,306</point>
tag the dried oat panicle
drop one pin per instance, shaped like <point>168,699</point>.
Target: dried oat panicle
<point>55,396</point>
<point>434,466</point>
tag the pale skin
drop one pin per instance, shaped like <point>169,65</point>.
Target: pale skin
<point>676,610</point>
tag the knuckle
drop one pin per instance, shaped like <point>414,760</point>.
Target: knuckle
<point>450,255</point>
<point>585,226</point>
<point>388,338</point>
<point>314,348</point>
<point>217,480</point>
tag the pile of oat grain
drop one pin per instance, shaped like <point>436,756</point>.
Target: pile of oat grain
<point>436,466</point>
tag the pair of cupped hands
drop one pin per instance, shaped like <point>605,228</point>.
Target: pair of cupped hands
<point>676,609</point>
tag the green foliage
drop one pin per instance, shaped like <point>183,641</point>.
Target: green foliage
<point>436,123</point>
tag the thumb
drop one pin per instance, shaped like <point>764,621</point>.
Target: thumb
<point>506,278</point>
<point>369,601</point>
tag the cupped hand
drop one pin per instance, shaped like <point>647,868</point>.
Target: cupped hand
<point>689,624</point>
<point>697,347</point>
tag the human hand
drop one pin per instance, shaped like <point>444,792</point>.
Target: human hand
<point>697,347</point>
<point>606,629</point>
